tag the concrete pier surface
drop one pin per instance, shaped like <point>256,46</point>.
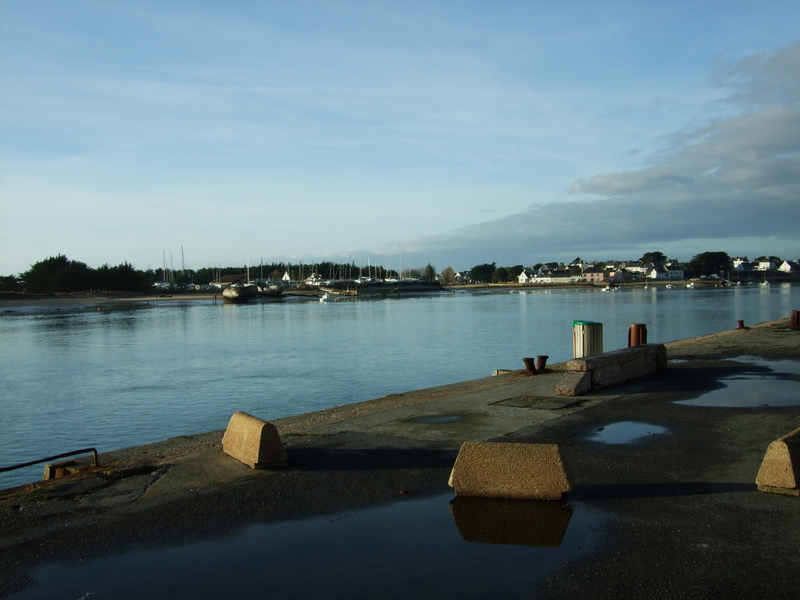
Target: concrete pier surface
<point>679,515</point>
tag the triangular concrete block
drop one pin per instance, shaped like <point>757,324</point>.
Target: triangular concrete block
<point>780,469</point>
<point>254,442</point>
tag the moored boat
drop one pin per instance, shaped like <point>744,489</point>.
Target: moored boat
<point>238,293</point>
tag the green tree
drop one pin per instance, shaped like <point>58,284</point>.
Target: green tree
<point>121,278</point>
<point>709,263</point>
<point>430,273</point>
<point>10,283</point>
<point>653,257</point>
<point>483,273</point>
<point>58,274</point>
<point>515,271</point>
<point>500,275</point>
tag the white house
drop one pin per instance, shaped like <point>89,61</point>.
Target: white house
<point>562,277</point>
<point>766,263</point>
<point>674,271</point>
<point>658,272</point>
<point>789,266</point>
<point>580,264</point>
<point>740,261</point>
<point>637,267</point>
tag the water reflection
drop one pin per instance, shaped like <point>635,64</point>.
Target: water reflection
<point>625,432</point>
<point>772,384</point>
<point>511,522</point>
<point>407,549</point>
<point>749,392</point>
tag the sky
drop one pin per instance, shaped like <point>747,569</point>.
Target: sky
<point>453,133</point>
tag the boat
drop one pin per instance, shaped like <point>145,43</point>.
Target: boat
<point>269,292</point>
<point>239,293</point>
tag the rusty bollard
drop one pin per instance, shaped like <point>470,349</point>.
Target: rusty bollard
<point>541,361</point>
<point>637,334</point>
<point>794,322</point>
<point>740,324</point>
<point>530,366</point>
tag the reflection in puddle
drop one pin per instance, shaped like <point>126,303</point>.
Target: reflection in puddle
<point>510,522</point>
<point>780,387</point>
<point>625,432</point>
<point>408,549</point>
<point>777,366</point>
<point>750,392</point>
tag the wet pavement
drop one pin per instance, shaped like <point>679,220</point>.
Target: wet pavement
<point>430,547</point>
<point>664,504</point>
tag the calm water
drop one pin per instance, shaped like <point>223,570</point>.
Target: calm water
<point>113,379</point>
<point>409,549</point>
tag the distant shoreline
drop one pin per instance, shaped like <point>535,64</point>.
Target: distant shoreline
<point>53,302</point>
<point>15,302</point>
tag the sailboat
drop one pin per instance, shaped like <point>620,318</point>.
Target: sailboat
<point>238,293</point>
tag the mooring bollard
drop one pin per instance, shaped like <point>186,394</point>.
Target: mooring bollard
<point>794,322</point>
<point>530,367</point>
<point>587,338</point>
<point>740,324</point>
<point>541,361</point>
<point>637,334</point>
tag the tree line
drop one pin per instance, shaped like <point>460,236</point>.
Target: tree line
<point>59,274</point>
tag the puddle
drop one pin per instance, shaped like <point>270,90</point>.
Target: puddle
<point>625,432</point>
<point>775,388</point>
<point>749,392</point>
<point>789,367</point>
<point>436,419</point>
<point>537,402</point>
<point>467,548</point>
<point>511,522</point>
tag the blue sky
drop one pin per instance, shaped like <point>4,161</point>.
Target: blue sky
<point>454,133</point>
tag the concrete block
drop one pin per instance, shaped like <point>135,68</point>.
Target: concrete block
<point>780,469</point>
<point>574,384</point>
<point>57,470</point>
<point>513,471</point>
<point>624,371</point>
<point>661,356</point>
<point>616,357</point>
<point>60,469</point>
<point>254,442</point>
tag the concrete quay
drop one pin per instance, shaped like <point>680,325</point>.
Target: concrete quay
<point>679,512</point>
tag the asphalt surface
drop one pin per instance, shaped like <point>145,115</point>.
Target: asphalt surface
<point>678,512</point>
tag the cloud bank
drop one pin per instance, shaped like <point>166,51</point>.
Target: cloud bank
<point>732,181</point>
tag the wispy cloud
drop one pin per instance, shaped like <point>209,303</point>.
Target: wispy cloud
<point>363,124</point>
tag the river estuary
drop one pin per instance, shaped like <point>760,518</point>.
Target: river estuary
<point>117,378</point>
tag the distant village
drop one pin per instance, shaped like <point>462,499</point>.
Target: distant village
<point>734,270</point>
<point>58,274</point>
<point>632,271</point>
